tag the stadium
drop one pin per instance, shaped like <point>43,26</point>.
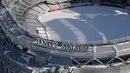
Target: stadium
<point>80,36</point>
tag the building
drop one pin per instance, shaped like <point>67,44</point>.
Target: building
<point>27,47</point>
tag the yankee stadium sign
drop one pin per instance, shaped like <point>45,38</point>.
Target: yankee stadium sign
<point>63,45</point>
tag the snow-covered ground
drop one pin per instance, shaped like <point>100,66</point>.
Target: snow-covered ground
<point>83,24</point>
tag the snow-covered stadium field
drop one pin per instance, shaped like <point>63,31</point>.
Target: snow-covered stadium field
<point>88,23</point>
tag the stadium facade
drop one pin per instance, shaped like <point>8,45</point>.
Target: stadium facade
<point>24,51</point>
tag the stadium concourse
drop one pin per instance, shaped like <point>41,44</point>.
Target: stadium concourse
<point>65,36</point>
